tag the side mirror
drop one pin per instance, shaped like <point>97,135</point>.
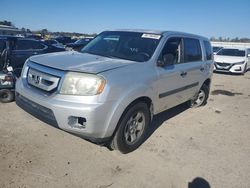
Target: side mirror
<point>248,55</point>
<point>167,59</point>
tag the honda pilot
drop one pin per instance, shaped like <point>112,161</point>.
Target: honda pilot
<point>110,90</point>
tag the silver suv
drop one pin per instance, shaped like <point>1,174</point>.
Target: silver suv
<point>110,90</point>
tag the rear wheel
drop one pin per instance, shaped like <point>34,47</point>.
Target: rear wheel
<point>201,98</point>
<point>132,128</point>
<point>6,95</point>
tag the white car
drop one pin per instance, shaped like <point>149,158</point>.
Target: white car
<point>234,60</point>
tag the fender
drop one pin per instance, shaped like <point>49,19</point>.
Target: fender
<point>123,102</point>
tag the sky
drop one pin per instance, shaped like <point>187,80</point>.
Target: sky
<point>225,18</point>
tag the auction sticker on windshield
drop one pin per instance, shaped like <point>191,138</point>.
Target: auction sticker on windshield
<point>151,36</point>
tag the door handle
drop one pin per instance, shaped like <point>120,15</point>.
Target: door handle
<point>183,74</point>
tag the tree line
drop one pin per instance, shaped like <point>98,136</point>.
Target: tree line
<point>236,39</point>
<point>44,32</point>
<point>7,23</point>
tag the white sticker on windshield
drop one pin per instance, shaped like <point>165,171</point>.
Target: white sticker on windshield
<point>151,36</point>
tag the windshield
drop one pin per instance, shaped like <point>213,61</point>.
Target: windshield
<point>132,46</point>
<point>232,52</point>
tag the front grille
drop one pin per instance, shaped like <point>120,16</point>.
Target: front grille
<point>223,64</point>
<point>42,80</point>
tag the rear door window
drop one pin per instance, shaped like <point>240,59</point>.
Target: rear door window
<point>192,50</point>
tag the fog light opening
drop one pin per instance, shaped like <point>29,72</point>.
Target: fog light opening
<point>77,122</point>
<point>81,121</point>
<point>238,69</point>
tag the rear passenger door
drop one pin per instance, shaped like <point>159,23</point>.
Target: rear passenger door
<point>193,65</point>
<point>179,82</point>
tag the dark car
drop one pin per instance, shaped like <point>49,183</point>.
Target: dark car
<point>64,40</point>
<point>22,48</point>
<point>79,44</point>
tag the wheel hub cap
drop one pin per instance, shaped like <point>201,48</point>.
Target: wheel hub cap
<point>134,127</point>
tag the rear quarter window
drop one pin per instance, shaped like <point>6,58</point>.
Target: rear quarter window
<point>192,50</point>
<point>208,50</point>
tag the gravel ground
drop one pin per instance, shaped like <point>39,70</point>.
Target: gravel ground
<point>207,146</point>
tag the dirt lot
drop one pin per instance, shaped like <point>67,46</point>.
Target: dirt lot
<point>210,142</point>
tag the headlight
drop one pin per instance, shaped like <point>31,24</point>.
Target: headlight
<point>240,63</point>
<point>82,84</point>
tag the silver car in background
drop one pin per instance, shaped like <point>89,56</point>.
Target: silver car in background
<point>111,89</point>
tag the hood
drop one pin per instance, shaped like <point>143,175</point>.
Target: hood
<point>79,62</point>
<point>228,59</point>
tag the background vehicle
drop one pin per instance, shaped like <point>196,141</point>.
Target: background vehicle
<point>54,43</point>
<point>21,49</point>
<point>64,40</point>
<point>234,60</point>
<point>79,44</point>
<point>110,91</point>
<point>7,77</point>
<point>35,37</point>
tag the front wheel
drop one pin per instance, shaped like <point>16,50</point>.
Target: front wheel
<point>201,98</point>
<point>132,128</point>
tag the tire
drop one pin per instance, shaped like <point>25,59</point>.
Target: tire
<point>132,128</point>
<point>6,96</point>
<point>201,98</point>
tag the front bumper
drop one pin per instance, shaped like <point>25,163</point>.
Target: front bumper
<point>233,68</point>
<point>64,112</point>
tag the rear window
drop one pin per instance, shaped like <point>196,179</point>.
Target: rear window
<point>208,50</point>
<point>192,50</point>
<point>232,52</point>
